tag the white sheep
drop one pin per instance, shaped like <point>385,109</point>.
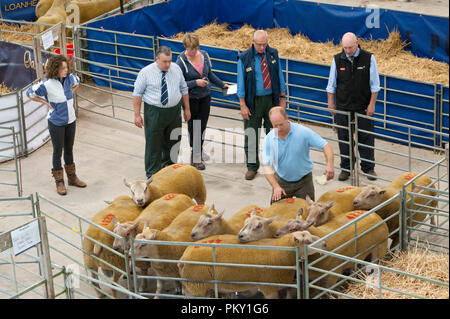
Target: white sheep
<point>176,178</point>
<point>198,272</point>
<point>376,238</point>
<point>123,209</point>
<point>178,231</point>
<point>214,224</point>
<point>330,204</point>
<point>257,227</point>
<point>371,196</point>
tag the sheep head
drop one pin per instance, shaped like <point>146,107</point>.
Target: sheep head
<point>145,250</point>
<point>369,197</point>
<point>125,230</point>
<point>208,225</point>
<point>317,212</point>
<point>141,191</point>
<point>292,225</point>
<point>304,237</point>
<point>255,228</point>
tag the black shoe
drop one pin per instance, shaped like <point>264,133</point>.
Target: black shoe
<point>200,166</point>
<point>343,176</point>
<point>373,177</point>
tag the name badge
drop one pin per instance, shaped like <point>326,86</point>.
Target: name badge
<point>248,69</point>
<point>342,69</point>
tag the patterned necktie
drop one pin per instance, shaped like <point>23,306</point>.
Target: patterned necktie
<point>265,72</point>
<point>164,93</point>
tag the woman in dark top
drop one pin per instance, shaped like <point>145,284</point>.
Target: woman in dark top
<point>196,67</point>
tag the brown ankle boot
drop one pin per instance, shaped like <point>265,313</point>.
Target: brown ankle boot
<point>59,180</point>
<point>72,177</point>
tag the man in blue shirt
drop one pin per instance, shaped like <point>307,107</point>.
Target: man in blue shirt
<point>286,160</point>
<point>354,82</point>
<point>260,85</point>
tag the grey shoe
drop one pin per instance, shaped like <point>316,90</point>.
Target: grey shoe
<point>343,176</point>
<point>371,175</point>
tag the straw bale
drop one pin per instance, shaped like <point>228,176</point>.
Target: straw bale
<point>424,263</point>
<point>392,58</point>
<point>15,36</point>
<point>4,89</point>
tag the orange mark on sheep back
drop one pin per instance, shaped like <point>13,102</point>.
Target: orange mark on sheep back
<point>410,176</point>
<point>108,218</point>
<point>354,214</point>
<point>170,196</point>
<point>177,166</point>
<point>198,208</point>
<point>290,200</point>
<point>344,189</point>
<point>257,209</point>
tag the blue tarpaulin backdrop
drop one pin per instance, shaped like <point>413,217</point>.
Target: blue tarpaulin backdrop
<point>428,35</point>
<point>18,9</point>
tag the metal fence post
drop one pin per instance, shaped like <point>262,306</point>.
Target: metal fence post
<point>45,260</point>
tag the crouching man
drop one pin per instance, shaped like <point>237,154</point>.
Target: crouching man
<point>286,157</point>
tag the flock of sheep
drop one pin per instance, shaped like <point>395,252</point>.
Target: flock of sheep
<point>162,208</point>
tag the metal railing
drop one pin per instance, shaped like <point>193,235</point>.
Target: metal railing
<point>8,146</point>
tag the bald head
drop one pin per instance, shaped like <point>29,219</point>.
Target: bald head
<point>260,39</point>
<point>350,43</point>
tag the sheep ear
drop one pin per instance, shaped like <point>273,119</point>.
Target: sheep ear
<point>148,181</point>
<point>268,221</point>
<point>308,200</point>
<point>220,214</point>
<point>146,225</point>
<point>136,225</point>
<point>331,204</point>
<point>153,236</point>
<point>300,213</point>
<point>126,183</point>
<point>253,213</point>
<point>212,208</point>
<point>114,221</point>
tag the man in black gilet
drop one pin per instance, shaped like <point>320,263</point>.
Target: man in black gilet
<point>354,82</point>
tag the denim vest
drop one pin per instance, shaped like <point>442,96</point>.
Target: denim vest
<point>248,60</point>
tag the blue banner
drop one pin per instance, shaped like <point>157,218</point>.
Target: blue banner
<point>18,9</point>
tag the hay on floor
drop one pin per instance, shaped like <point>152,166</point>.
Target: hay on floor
<point>424,263</point>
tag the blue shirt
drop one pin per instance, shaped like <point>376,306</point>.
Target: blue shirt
<point>60,97</point>
<point>260,90</point>
<point>373,72</point>
<point>290,158</point>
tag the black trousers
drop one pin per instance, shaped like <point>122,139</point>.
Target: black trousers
<point>365,153</point>
<point>63,138</point>
<point>200,109</point>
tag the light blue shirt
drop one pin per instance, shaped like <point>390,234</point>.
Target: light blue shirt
<point>290,158</point>
<point>148,85</point>
<point>260,90</point>
<point>373,71</point>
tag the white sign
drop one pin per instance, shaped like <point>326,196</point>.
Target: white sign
<point>25,237</point>
<point>47,40</point>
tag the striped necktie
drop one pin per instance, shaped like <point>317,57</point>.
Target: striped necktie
<point>265,72</point>
<point>164,93</point>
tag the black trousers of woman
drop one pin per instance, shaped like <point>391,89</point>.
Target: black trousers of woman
<point>200,109</point>
<point>63,138</point>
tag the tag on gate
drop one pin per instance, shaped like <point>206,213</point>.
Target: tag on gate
<point>25,237</point>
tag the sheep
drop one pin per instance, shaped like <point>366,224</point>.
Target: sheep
<point>371,196</point>
<point>176,178</point>
<point>376,237</point>
<point>215,224</point>
<point>285,209</point>
<point>42,7</point>
<point>54,15</point>
<point>330,204</point>
<point>258,227</point>
<point>89,9</point>
<point>124,209</point>
<point>158,215</point>
<point>199,272</point>
<point>179,230</point>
